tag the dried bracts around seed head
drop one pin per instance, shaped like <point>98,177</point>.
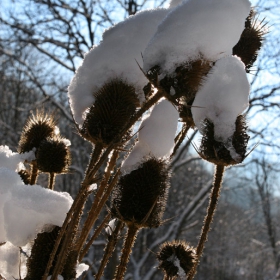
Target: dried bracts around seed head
<point>115,103</point>
<point>191,37</point>
<point>38,127</point>
<point>220,153</point>
<point>176,259</point>
<point>53,155</point>
<point>140,196</point>
<point>101,64</point>
<point>251,40</point>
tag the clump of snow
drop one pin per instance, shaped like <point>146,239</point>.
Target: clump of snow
<point>9,261</point>
<point>195,29</point>
<point>223,96</point>
<point>92,187</point>
<point>174,3</point>
<point>111,226</point>
<point>80,269</point>
<point>66,142</point>
<point>115,57</point>
<point>156,135</point>
<point>25,210</point>
<point>13,160</point>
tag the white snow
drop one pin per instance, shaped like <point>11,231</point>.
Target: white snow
<point>223,96</point>
<point>111,226</point>
<point>25,210</point>
<point>13,161</point>
<point>195,29</point>
<point>115,57</point>
<point>66,142</point>
<point>80,269</point>
<point>156,135</point>
<point>174,3</point>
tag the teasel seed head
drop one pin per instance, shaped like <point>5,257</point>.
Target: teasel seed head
<point>176,259</point>
<point>216,152</point>
<point>140,196</point>
<point>185,112</point>
<point>38,127</point>
<point>114,105</point>
<point>185,81</point>
<point>25,176</point>
<point>53,155</point>
<point>250,41</point>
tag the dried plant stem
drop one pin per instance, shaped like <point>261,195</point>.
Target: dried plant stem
<point>94,236</point>
<point>214,197</point>
<point>126,251</point>
<point>180,138</point>
<point>51,181</point>
<point>82,195</point>
<point>34,173</point>
<point>93,211</point>
<point>110,247</point>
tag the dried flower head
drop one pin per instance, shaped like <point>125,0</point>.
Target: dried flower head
<point>176,259</point>
<point>140,196</point>
<point>38,127</point>
<point>216,152</point>
<point>250,41</point>
<point>114,105</point>
<point>53,155</point>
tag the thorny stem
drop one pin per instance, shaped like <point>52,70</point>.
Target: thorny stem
<point>51,181</point>
<point>93,211</point>
<point>110,247</point>
<point>126,251</point>
<point>181,136</point>
<point>34,173</point>
<point>214,197</point>
<point>94,236</point>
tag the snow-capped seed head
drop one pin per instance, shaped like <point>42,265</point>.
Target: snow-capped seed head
<point>250,41</point>
<point>140,196</point>
<point>230,153</point>
<point>25,176</point>
<point>53,156</point>
<point>114,105</point>
<point>176,259</point>
<point>38,127</point>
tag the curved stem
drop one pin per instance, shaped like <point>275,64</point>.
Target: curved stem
<point>126,251</point>
<point>110,247</point>
<point>214,197</point>
<point>180,138</point>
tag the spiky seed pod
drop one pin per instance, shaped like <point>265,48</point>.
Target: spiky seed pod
<point>38,127</point>
<point>216,152</point>
<point>140,196</point>
<point>185,112</point>
<point>53,155</point>
<point>250,41</point>
<point>114,105</point>
<point>40,253</point>
<point>185,81</point>
<point>25,176</point>
<point>176,258</point>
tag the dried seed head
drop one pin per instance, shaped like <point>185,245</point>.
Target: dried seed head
<point>25,176</point>
<point>53,155</point>
<point>186,80</point>
<point>114,105</point>
<point>176,259</point>
<point>37,128</point>
<point>140,196</point>
<point>185,112</point>
<point>250,41</point>
<point>216,152</point>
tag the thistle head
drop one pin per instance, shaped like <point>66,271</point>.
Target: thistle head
<point>53,155</point>
<point>140,196</point>
<point>176,259</point>
<point>218,152</point>
<point>114,105</point>
<point>250,41</point>
<point>38,127</point>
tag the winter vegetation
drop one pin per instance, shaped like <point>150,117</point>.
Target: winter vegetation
<point>123,124</point>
